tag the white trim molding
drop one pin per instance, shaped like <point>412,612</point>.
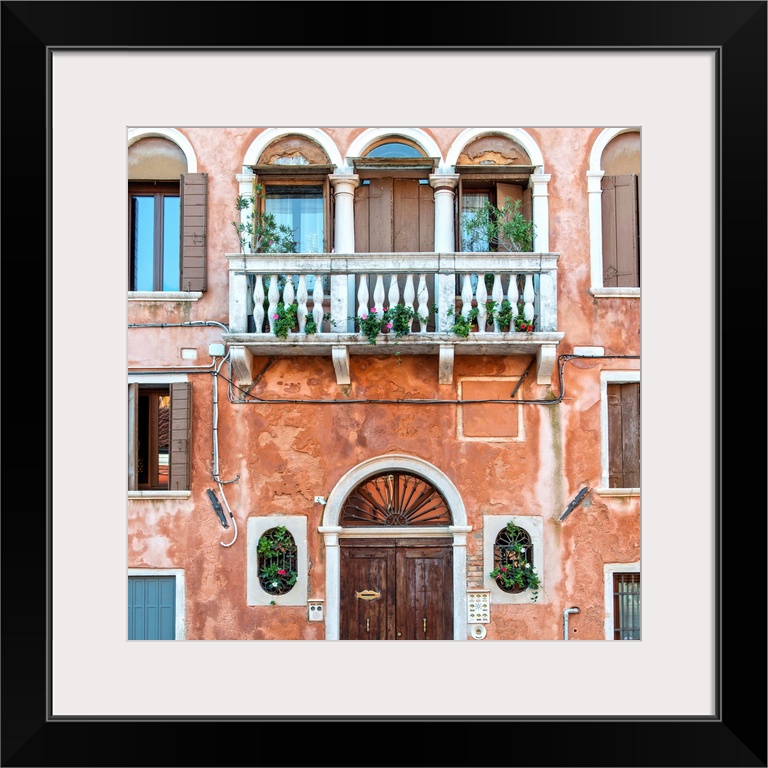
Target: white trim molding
<point>608,570</point>
<point>492,526</point>
<point>594,198</point>
<point>256,527</point>
<point>612,377</point>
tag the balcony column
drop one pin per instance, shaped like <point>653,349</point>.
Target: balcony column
<point>344,186</point>
<point>540,204</point>
<point>595,192</point>
<point>444,185</point>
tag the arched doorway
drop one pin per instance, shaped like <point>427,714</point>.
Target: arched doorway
<point>395,534</point>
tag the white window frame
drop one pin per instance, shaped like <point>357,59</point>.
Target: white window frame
<point>594,197</point>
<point>180,628</point>
<point>256,527</point>
<point>492,526</point>
<point>611,377</point>
<point>609,569</point>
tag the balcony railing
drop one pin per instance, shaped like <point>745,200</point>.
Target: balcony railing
<point>331,290</point>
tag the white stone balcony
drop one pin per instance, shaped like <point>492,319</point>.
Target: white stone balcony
<point>332,289</point>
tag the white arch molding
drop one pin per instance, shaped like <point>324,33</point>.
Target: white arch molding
<point>594,193</point>
<point>177,137</point>
<point>264,139</point>
<point>332,532</point>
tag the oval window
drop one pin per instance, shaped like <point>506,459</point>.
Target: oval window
<point>277,561</point>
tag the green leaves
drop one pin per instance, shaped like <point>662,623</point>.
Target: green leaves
<point>504,228</point>
<point>260,232</point>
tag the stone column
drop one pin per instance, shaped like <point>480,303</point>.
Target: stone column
<point>344,186</point>
<point>444,185</point>
<point>540,194</point>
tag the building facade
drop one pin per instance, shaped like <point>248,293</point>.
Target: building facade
<point>384,383</point>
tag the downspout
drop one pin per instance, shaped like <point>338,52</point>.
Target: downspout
<point>565,620</point>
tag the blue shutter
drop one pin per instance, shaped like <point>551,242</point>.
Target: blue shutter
<point>151,607</point>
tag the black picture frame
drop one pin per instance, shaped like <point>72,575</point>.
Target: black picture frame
<point>736,736</point>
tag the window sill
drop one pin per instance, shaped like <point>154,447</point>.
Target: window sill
<point>617,491</point>
<point>159,495</point>
<point>613,293</point>
<point>164,295</point>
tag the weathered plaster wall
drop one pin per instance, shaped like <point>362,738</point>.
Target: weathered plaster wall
<point>287,453</point>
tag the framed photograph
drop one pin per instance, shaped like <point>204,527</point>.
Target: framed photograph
<point>78,77</point>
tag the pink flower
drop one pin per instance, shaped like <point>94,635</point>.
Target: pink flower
<point>363,317</point>
<point>389,326</point>
<point>275,316</point>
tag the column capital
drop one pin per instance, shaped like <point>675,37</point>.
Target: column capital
<point>337,179</point>
<point>438,180</point>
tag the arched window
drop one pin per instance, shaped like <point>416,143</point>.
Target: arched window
<point>277,556</point>
<point>395,499</point>
<point>514,568</point>
<point>167,214</point>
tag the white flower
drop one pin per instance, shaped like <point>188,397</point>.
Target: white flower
<point>527,565</point>
<point>535,571</point>
<point>274,583</point>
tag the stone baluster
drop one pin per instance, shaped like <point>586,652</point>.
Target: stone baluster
<point>528,297</point>
<point>482,306</point>
<point>497,294</point>
<point>513,296</point>
<point>393,295</point>
<point>288,291</point>
<point>422,306</point>
<point>301,298</point>
<point>466,295</point>
<point>258,303</point>
<point>409,294</point>
<point>362,296</point>
<point>274,297</point>
<point>378,294</point>
<point>317,303</point>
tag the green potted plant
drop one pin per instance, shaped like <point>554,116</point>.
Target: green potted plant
<point>260,232</point>
<point>514,571</point>
<point>504,228</point>
<point>277,559</point>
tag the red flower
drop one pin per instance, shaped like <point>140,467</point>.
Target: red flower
<point>281,573</point>
<point>503,567</point>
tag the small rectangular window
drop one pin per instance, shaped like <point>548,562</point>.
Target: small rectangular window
<point>159,426</point>
<point>300,207</point>
<point>626,606</point>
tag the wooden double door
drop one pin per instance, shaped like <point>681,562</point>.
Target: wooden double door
<point>396,589</point>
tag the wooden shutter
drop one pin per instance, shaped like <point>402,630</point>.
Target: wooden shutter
<point>624,435</point>
<point>133,435</point>
<point>621,249</point>
<point>181,412</point>
<point>426,219</point>
<point>328,216</point>
<point>194,224</point>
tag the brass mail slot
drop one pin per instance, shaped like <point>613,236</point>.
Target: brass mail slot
<point>367,594</point>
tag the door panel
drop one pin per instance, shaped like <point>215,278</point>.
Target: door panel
<point>424,593</point>
<point>414,579</point>
<point>365,570</point>
<point>394,215</point>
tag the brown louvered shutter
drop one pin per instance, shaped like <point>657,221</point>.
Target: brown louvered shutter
<point>194,224</point>
<point>361,219</point>
<point>181,420</point>
<point>426,219</point>
<point>328,216</point>
<point>621,247</point>
<point>624,435</point>
<point>133,435</point>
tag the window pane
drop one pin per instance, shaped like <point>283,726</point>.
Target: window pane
<point>163,440</point>
<point>394,149</point>
<point>471,202</point>
<point>301,209</point>
<point>143,215</point>
<point>171,232</point>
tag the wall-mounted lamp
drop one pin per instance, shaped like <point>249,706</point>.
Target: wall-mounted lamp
<point>217,508</point>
